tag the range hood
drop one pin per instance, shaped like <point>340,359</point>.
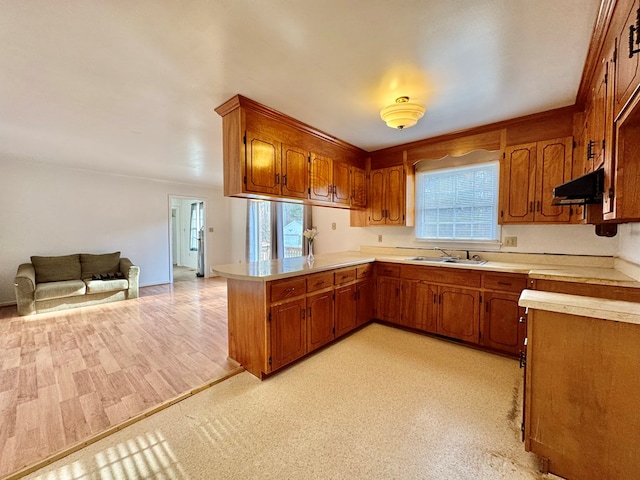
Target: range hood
<point>580,191</point>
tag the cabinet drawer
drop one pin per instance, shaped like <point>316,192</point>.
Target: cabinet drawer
<point>388,270</point>
<point>460,278</point>
<point>288,288</point>
<point>364,271</point>
<point>318,281</point>
<point>507,283</point>
<point>345,275</point>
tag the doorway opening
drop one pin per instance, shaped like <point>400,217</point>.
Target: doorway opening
<point>187,242</point>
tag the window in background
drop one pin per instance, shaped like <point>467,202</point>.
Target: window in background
<point>458,203</point>
<point>274,230</point>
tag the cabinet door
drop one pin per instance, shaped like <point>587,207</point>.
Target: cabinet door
<point>419,305</point>
<point>553,168</point>
<point>358,187</point>
<point>345,309</point>
<point>295,172</point>
<point>320,327</point>
<point>364,301</point>
<point>288,333</point>
<point>394,195</point>
<point>627,73</point>
<point>262,173</point>
<point>459,313</point>
<point>341,183</point>
<point>501,327</point>
<point>388,299</point>
<point>321,177</point>
<point>518,184</point>
<point>376,197</point>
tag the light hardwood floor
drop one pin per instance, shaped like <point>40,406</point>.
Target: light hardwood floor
<point>67,378</point>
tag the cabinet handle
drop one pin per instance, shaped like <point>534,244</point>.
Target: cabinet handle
<point>531,206</point>
<point>309,314</point>
<point>330,189</point>
<point>284,179</point>
<point>523,359</point>
<point>435,298</point>
<point>277,178</point>
<point>302,312</point>
<point>319,282</point>
<point>634,30</point>
<point>486,307</point>
<point>506,284</point>
<point>590,152</point>
<point>522,320</point>
<point>538,206</point>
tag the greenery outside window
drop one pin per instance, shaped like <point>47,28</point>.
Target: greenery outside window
<point>458,204</point>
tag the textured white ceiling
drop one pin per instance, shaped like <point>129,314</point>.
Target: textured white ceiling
<point>130,87</point>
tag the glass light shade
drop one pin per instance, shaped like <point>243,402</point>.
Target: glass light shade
<point>402,114</point>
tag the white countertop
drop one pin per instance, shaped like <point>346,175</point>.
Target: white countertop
<point>275,269</point>
<point>614,310</point>
<point>290,267</point>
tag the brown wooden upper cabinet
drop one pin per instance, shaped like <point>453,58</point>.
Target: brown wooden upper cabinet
<point>330,181</point>
<point>529,172</point>
<point>387,194</point>
<point>627,71</point>
<point>275,157</point>
<point>273,168</point>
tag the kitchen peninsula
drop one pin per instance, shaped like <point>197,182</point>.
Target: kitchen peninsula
<point>281,310</point>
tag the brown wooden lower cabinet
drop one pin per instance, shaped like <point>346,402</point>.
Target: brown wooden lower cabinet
<point>582,390</point>
<point>320,326</point>
<point>476,307</point>
<point>419,305</point>
<point>272,324</point>
<point>345,309</point>
<point>388,299</point>
<point>459,313</point>
<point>288,332</point>
<point>503,322</point>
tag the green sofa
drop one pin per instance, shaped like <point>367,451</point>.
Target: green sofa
<point>49,284</point>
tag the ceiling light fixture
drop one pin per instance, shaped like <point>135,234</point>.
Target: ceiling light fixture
<point>402,114</point>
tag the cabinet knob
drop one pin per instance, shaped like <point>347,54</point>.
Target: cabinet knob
<point>522,320</point>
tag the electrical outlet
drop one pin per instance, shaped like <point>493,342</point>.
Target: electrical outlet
<point>379,238</point>
<point>210,229</point>
<point>333,226</point>
<point>510,241</point>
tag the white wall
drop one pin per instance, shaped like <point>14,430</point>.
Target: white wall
<point>53,211</point>
<point>629,248</point>
<point>569,239</point>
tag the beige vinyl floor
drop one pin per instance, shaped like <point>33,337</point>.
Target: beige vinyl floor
<point>382,403</point>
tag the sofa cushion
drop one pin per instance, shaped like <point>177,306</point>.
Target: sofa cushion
<point>97,264</point>
<point>99,286</point>
<point>66,288</point>
<point>56,269</point>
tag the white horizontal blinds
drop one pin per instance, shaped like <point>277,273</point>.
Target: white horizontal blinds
<point>458,203</point>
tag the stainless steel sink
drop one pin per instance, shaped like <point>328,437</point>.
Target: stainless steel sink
<point>465,261</point>
<point>462,261</point>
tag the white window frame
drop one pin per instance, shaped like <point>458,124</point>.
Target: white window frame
<point>471,160</point>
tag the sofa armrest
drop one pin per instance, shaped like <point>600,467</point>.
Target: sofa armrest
<point>25,288</point>
<point>132,274</point>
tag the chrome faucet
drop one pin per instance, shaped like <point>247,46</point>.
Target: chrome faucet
<point>444,253</point>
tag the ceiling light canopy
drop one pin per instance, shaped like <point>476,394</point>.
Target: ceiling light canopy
<point>402,114</point>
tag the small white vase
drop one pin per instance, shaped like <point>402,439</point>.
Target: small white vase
<point>310,256</point>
